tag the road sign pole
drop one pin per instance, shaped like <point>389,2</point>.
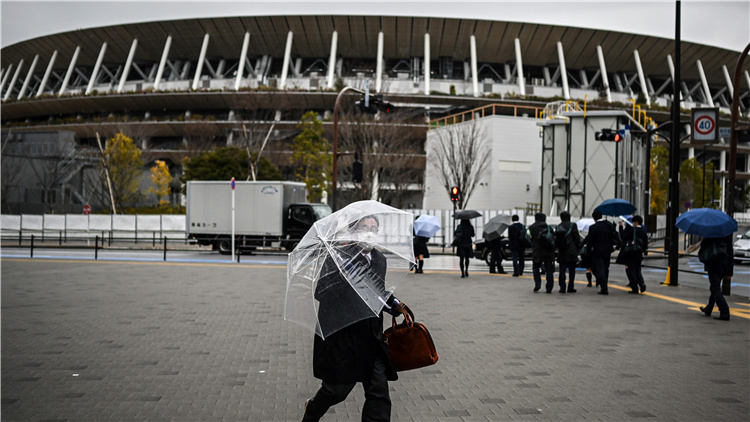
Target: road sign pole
<point>233,183</point>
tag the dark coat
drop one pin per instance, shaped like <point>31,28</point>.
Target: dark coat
<point>626,235</point>
<point>515,232</point>
<point>568,245</point>
<point>539,254</point>
<point>723,267</point>
<point>601,239</point>
<point>420,246</point>
<point>348,355</point>
<point>466,248</point>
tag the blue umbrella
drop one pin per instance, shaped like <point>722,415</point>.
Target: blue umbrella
<point>707,222</point>
<point>615,207</point>
<point>426,225</point>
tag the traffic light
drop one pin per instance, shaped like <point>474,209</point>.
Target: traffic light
<point>608,135</point>
<point>454,193</point>
<point>376,103</point>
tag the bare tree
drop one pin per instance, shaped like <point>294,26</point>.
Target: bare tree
<point>460,155</point>
<point>389,150</point>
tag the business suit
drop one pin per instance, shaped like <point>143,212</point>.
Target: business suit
<point>633,260</point>
<point>517,251</point>
<point>568,244</point>
<point>541,257</point>
<point>357,352</point>
<point>601,243</point>
<point>718,269</point>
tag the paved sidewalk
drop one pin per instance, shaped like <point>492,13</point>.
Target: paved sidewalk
<point>120,341</point>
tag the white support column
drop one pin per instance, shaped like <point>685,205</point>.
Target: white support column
<point>704,82</point>
<point>243,59</point>
<point>730,85</point>
<point>519,67</point>
<point>163,62</point>
<point>641,76</point>
<point>28,77</point>
<point>332,59</point>
<point>474,73</point>
<point>51,64</point>
<point>6,75</point>
<point>287,58</point>
<point>563,71</point>
<point>379,66</point>
<point>427,64</point>
<point>603,70</point>
<point>201,59</point>
<point>13,80</point>
<point>97,66</point>
<point>69,73</point>
<point>128,63</point>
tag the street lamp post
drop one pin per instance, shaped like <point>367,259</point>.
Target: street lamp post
<point>335,167</point>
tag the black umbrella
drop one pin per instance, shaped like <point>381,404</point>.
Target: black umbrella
<point>466,215</point>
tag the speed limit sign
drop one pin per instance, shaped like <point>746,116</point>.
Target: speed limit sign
<point>705,124</point>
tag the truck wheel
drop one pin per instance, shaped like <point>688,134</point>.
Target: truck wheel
<point>225,247</point>
<point>290,246</point>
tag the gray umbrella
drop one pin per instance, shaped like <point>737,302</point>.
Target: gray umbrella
<point>496,226</point>
<point>466,215</point>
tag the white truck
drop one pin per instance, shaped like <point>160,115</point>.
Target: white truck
<point>267,213</point>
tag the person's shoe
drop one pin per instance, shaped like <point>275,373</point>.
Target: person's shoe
<point>549,291</point>
<point>634,292</point>
<point>602,293</point>
<point>467,273</point>
<point>536,289</point>
<point>572,291</point>
<point>722,318</point>
<point>463,276</point>
<point>562,290</point>
<point>502,272</point>
<point>515,275</point>
<point>588,285</point>
<point>706,313</point>
<point>643,288</point>
<point>493,272</point>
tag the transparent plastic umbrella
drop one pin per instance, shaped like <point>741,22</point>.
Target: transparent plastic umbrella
<point>426,225</point>
<point>584,224</point>
<point>337,274</point>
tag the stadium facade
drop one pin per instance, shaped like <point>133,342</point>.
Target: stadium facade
<point>172,85</point>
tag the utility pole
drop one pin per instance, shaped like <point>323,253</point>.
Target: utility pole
<point>673,205</point>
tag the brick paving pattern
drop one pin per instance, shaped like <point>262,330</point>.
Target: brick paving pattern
<point>119,341</point>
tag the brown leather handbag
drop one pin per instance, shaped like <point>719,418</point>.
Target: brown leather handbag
<point>409,343</point>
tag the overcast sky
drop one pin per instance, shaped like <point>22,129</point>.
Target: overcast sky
<point>717,23</point>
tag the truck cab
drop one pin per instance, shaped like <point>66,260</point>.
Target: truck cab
<point>299,219</point>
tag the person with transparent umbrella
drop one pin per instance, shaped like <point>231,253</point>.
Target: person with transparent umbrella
<point>337,285</point>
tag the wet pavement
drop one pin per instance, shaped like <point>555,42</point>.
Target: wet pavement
<point>122,340</point>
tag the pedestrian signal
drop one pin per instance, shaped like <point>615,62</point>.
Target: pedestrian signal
<point>454,193</point>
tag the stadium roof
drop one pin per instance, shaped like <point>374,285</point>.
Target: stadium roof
<point>403,38</point>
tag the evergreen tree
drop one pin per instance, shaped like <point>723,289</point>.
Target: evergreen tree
<point>311,156</point>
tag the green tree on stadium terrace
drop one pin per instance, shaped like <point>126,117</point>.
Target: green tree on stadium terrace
<point>224,163</point>
<point>311,156</point>
<point>659,179</point>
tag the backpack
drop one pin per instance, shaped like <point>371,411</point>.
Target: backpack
<point>566,238</point>
<point>714,252</point>
<point>546,238</point>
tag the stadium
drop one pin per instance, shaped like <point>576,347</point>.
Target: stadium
<point>181,87</point>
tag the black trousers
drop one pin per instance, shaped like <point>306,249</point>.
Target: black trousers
<point>377,399</point>
<point>518,258</point>
<point>717,297</point>
<point>570,268</point>
<point>601,271</point>
<point>635,276</point>
<point>496,261</point>
<point>549,268</point>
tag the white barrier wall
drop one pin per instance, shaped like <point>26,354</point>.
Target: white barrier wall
<point>84,226</point>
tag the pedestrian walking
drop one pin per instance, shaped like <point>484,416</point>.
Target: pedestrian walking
<point>496,256</point>
<point>420,252</point>
<point>516,235</point>
<point>356,352</point>
<point>601,242</point>
<point>635,243</point>
<point>568,244</point>
<point>543,252</point>
<point>717,256</point>
<point>464,234</point>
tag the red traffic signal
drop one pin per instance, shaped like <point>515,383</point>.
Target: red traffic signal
<point>454,192</point>
<point>608,135</point>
